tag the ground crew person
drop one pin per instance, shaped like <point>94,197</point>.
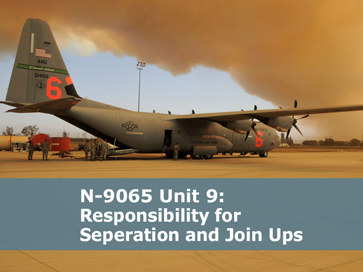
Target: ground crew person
<point>45,148</point>
<point>86,150</point>
<point>31,150</point>
<point>100,145</point>
<point>176,151</point>
<point>104,150</point>
<point>93,150</point>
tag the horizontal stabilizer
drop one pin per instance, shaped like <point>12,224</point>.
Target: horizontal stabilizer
<point>51,107</point>
<point>13,104</point>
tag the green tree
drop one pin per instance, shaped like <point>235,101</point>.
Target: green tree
<point>65,134</point>
<point>341,143</point>
<point>30,131</point>
<point>8,131</point>
<point>354,142</point>
<point>328,142</point>
<point>310,142</point>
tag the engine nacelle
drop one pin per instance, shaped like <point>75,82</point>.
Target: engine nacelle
<point>282,124</point>
<point>240,126</point>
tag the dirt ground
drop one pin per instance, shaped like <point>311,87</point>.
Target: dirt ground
<point>276,165</point>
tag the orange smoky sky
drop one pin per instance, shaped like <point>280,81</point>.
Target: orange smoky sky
<point>311,51</point>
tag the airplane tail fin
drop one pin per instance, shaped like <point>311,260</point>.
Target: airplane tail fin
<point>39,73</point>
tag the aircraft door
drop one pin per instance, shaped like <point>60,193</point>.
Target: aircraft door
<point>168,138</point>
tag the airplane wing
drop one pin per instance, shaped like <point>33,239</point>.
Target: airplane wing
<point>263,115</point>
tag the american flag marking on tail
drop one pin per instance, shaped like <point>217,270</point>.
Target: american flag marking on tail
<point>43,53</point>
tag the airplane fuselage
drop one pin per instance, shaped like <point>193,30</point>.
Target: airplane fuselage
<point>150,132</point>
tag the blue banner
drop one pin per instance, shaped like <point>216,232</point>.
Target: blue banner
<point>181,214</point>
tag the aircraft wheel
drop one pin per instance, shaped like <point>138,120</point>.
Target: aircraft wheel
<point>182,155</point>
<point>243,153</point>
<point>263,154</point>
<point>196,156</point>
<point>169,155</point>
<point>208,157</point>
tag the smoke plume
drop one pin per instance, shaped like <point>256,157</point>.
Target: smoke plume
<point>278,50</point>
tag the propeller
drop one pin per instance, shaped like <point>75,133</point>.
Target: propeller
<point>252,127</point>
<point>295,121</point>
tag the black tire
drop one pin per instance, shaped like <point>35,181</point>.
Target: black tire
<point>169,155</point>
<point>263,154</point>
<point>196,157</point>
<point>243,153</point>
<point>182,155</point>
<point>208,157</point>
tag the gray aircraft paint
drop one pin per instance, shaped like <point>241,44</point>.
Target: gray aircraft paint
<point>40,83</point>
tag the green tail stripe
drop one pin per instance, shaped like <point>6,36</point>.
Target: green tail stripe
<point>44,69</point>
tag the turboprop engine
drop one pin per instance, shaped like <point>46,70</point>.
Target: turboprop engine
<point>282,124</point>
<point>240,126</point>
<point>285,123</point>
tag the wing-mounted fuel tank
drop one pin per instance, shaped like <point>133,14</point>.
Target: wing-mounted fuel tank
<point>240,126</point>
<point>282,124</point>
<point>203,143</point>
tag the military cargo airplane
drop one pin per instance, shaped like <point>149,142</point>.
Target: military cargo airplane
<point>40,82</point>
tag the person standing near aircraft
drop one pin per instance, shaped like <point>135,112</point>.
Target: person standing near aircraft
<point>31,150</point>
<point>93,150</point>
<point>45,149</point>
<point>100,146</point>
<point>104,150</point>
<point>86,150</point>
<point>176,151</point>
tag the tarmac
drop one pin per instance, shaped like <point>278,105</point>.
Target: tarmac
<point>276,165</point>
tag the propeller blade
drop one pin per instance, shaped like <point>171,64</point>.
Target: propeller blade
<point>248,133</point>
<point>303,117</point>
<point>295,104</point>
<point>295,126</point>
<point>287,134</point>
<point>253,128</point>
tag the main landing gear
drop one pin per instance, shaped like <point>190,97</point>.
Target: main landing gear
<point>262,154</point>
<point>181,155</point>
<point>207,157</point>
